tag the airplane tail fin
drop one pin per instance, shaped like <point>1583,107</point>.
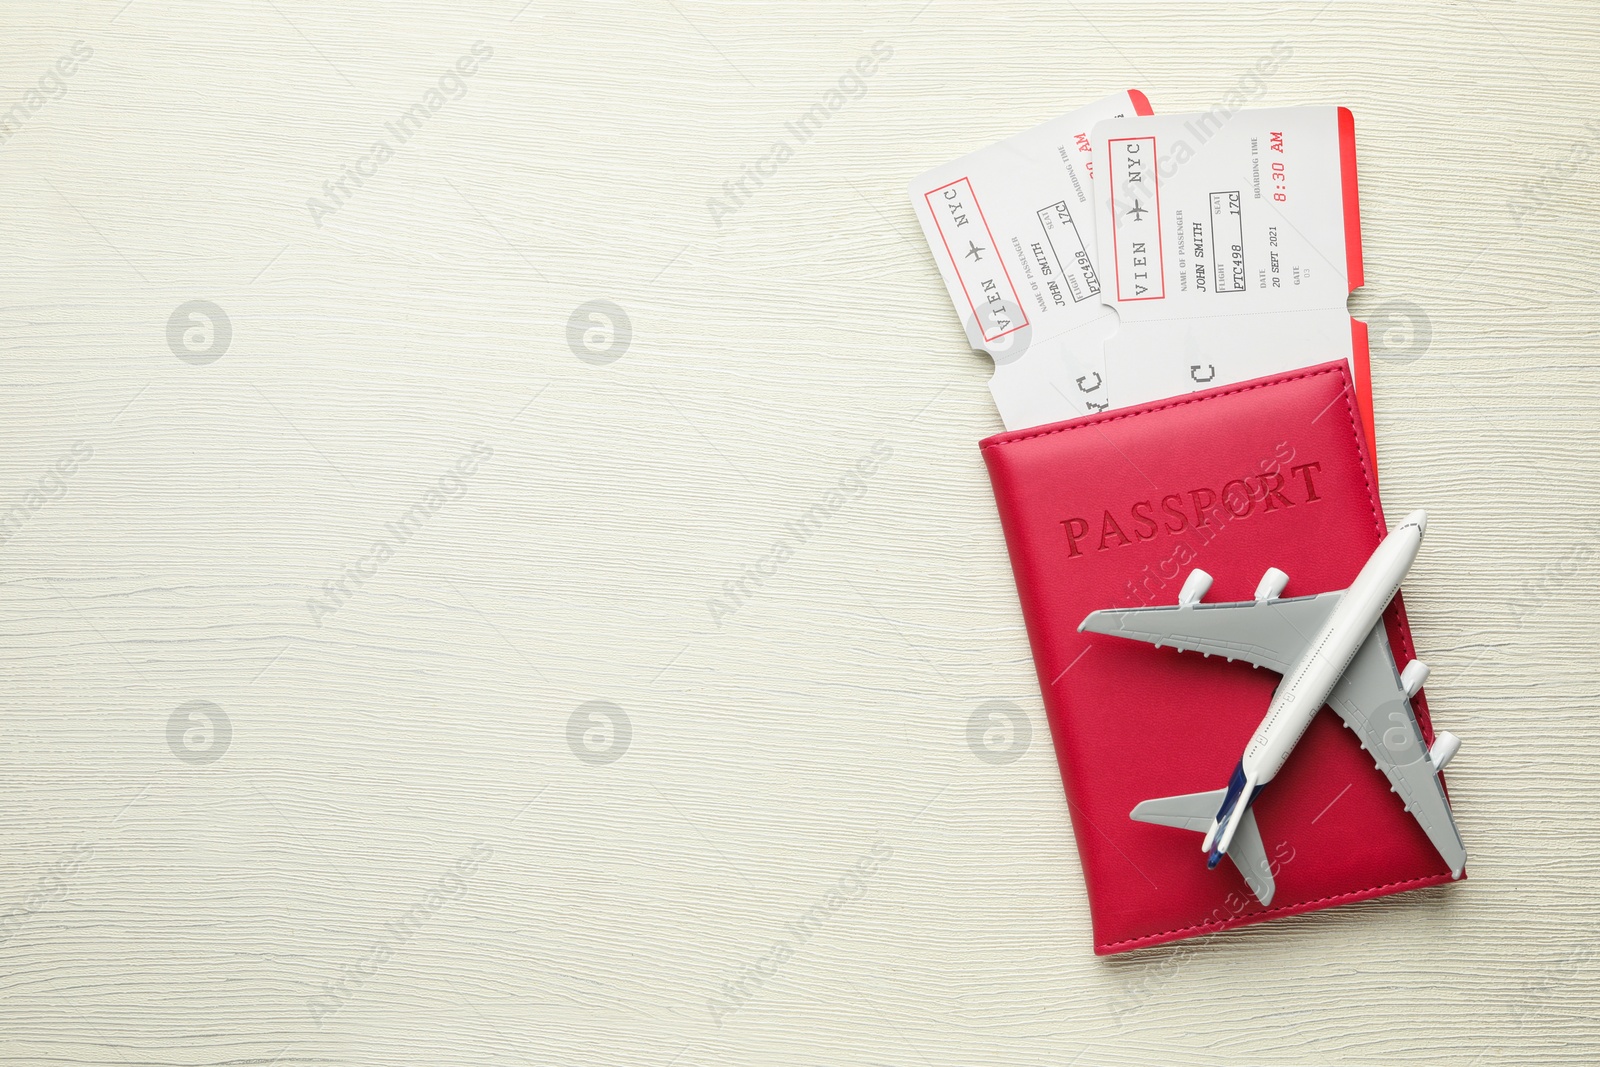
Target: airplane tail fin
<point>1197,812</point>
<point>1192,811</point>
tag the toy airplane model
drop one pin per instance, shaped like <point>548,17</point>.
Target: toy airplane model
<point>1330,648</point>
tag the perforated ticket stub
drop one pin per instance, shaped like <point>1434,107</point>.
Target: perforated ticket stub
<point>1011,227</point>
<point>1229,242</point>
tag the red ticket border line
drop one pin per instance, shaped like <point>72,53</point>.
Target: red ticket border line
<point>938,223</point>
<point>1161,244</point>
<point>1355,274</point>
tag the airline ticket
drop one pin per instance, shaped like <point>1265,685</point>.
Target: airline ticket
<point>1228,243</point>
<point>1012,228</point>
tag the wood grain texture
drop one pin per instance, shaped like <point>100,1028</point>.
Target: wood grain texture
<point>398,855</point>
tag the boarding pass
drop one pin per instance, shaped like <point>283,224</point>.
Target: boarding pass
<point>1012,229</point>
<point>1229,243</point>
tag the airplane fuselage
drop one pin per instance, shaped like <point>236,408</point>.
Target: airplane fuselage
<point>1306,685</point>
<point>1309,680</point>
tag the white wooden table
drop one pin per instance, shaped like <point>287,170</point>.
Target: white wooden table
<point>405,673</point>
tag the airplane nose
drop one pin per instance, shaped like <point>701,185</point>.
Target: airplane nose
<point>1419,519</point>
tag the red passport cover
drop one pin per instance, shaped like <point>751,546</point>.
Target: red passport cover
<point>1114,510</point>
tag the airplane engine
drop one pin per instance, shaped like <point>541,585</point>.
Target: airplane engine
<point>1444,747</point>
<point>1272,584</point>
<point>1413,676</point>
<point>1194,587</point>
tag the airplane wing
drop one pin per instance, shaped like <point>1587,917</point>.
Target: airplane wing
<point>1194,811</point>
<point>1269,633</point>
<point>1372,701</point>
